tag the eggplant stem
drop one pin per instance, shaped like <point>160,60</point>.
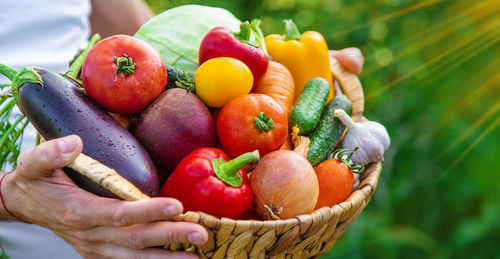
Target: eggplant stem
<point>8,72</point>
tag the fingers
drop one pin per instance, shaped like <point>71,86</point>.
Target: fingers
<point>350,58</point>
<point>115,251</point>
<point>152,234</point>
<point>48,156</point>
<point>98,211</point>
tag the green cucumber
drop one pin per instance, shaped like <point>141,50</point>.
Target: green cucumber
<point>176,75</point>
<point>307,112</point>
<point>329,130</point>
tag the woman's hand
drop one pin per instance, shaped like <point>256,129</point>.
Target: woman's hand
<point>39,192</point>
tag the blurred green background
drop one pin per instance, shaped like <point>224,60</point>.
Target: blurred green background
<point>432,78</point>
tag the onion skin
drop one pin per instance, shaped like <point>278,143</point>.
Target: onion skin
<point>285,182</point>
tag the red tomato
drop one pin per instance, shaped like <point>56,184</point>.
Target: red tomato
<point>250,122</point>
<point>123,74</point>
<point>335,182</point>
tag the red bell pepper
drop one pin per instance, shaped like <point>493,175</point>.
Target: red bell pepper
<point>205,181</point>
<point>222,42</point>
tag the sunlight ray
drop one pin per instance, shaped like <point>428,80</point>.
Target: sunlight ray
<point>491,27</point>
<point>490,128</point>
<point>482,6</point>
<point>389,16</point>
<point>462,60</point>
<point>472,96</point>
<point>478,123</point>
<point>427,40</point>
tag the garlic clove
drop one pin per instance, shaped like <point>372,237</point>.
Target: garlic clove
<point>371,137</point>
<point>379,132</point>
<point>369,148</point>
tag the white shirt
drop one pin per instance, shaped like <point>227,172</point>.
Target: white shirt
<point>47,34</point>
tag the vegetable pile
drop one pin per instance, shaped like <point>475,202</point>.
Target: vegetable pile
<point>203,108</point>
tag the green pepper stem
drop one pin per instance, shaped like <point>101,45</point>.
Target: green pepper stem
<point>263,123</point>
<point>8,72</point>
<point>291,31</point>
<point>227,171</point>
<point>245,34</point>
<point>76,65</point>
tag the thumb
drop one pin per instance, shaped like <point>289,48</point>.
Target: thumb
<point>49,156</point>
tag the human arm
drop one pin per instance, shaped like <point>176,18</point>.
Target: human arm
<point>111,17</point>
<point>39,192</point>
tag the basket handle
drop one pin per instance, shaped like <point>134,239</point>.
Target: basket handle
<point>351,86</point>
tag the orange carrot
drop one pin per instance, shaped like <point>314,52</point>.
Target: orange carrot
<point>278,84</point>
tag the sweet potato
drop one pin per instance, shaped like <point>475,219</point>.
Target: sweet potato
<point>173,126</point>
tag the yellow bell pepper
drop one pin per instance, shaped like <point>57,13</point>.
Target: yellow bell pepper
<point>306,55</point>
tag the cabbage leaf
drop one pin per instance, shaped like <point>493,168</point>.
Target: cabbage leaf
<point>178,32</point>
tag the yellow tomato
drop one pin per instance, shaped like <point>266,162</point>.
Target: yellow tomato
<point>219,80</point>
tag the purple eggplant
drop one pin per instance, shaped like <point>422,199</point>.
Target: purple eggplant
<point>58,108</point>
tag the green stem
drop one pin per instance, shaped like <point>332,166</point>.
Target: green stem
<point>291,31</point>
<point>124,65</point>
<point>9,130</point>
<point>339,153</point>
<point>3,99</point>
<point>9,105</point>
<point>263,123</point>
<point>249,34</point>
<point>227,171</point>
<point>38,140</point>
<point>187,84</point>
<point>76,66</point>
<point>21,131</point>
<point>244,33</point>
<point>8,72</point>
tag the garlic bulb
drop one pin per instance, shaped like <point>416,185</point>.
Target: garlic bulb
<point>371,137</point>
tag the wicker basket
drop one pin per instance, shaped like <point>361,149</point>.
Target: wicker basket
<point>303,236</point>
